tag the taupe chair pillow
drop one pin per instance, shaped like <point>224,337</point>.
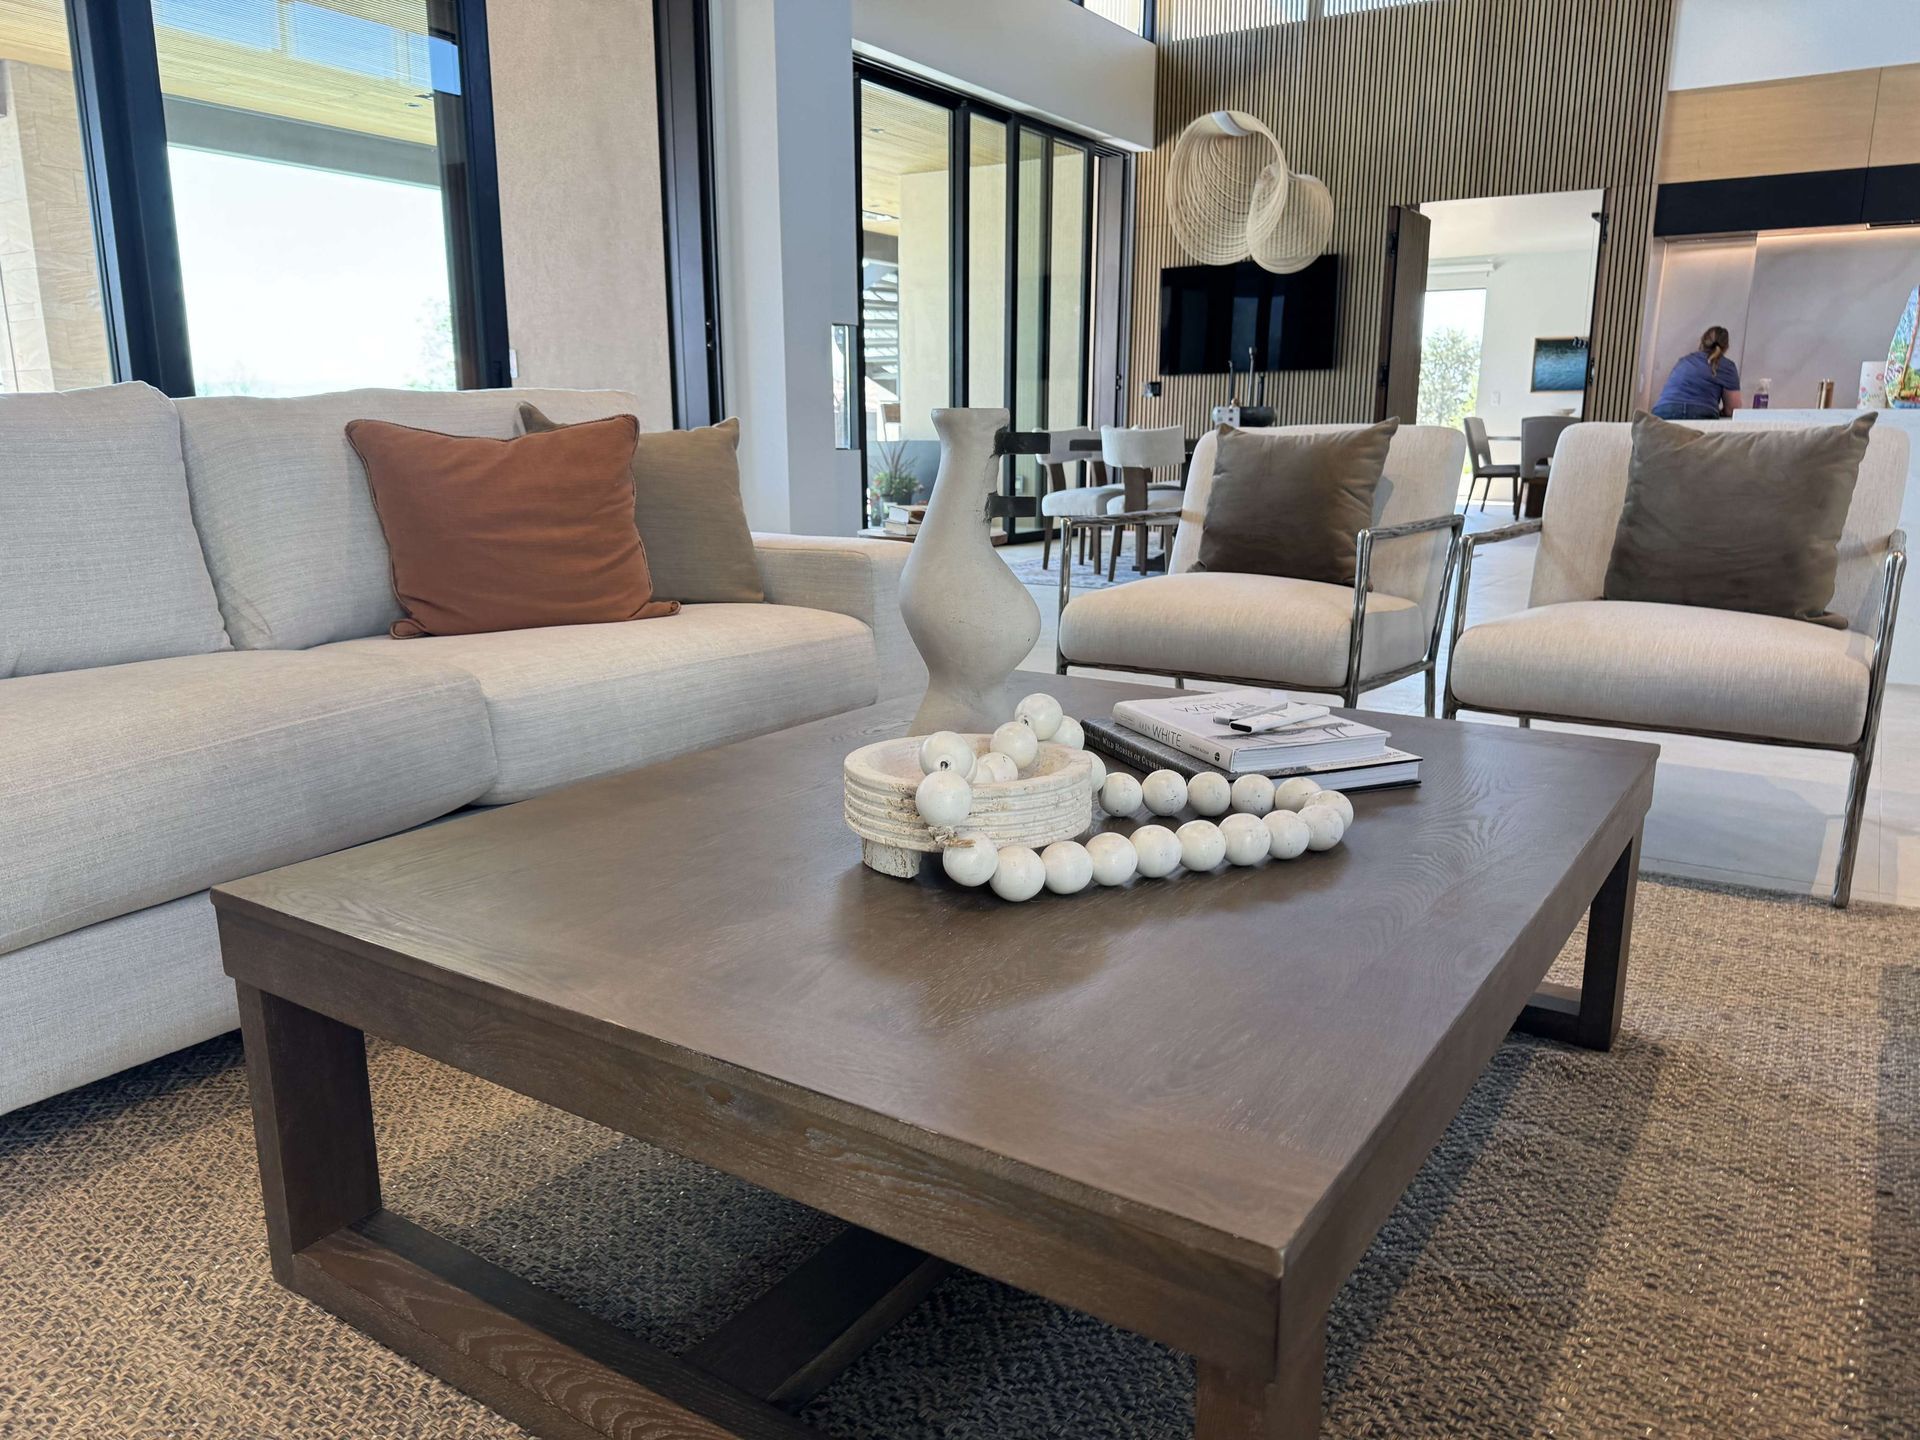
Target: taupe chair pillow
<point>1744,517</point>
<point>1292,505</point>
<point>686,502</point>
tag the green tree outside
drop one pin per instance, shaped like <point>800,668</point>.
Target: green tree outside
<point>1449,376</point>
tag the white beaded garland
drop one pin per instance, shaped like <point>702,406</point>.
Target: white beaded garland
<point>943,799</point>
<point>1324,826</point>
<point>971,859</point>
<point>1040,713</point>
<point>1246,837</point>
<point>1253,795</point>
<point>1289,834</point>
<point>1016,742</point>
<point>1292,794</point>
<point>1098,768</point>
<point>1338,802</point>
<point>1165,792</point>
<point>1070,734</point>
<point>1157,849</point>
<point>1120,795</point>
<point>993,768</point>
<point>1113,856</point>
<point>1019,875</point>
<point>1202,846</point>
<point>944,750</point>
<point>1068,865</point>
<point>1209,794</point>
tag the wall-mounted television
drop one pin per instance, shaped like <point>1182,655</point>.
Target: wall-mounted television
<point>1560,363</point>
<point>1212,316</point>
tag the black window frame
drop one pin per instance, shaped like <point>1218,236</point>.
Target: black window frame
<point>124,135</point>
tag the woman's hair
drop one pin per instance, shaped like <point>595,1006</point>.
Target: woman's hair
<point>1715,342</point>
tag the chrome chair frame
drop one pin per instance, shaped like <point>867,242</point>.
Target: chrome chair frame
<point>1355,684</point>
<point>1862,749</point>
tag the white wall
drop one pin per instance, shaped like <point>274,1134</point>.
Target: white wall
<point>1049,58</point>
<point>580,220</point>
<point>1735,42</point>
<point>1529,296</point>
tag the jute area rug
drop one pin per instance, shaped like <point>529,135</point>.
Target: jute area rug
<point>1712,1231</point>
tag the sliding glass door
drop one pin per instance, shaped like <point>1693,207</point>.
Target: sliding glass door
<point>976,257</point>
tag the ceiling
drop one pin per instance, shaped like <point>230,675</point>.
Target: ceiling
<point>1513,224</point>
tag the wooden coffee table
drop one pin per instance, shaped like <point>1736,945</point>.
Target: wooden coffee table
<point>1184,1106</point>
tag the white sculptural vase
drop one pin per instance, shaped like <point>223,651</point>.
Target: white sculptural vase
<point>971,620</point>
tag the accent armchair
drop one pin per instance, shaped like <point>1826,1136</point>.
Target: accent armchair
<point>1274,631</point>
<point>1726,674</point>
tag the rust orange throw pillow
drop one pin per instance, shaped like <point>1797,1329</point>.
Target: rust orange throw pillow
<point>509,534</point>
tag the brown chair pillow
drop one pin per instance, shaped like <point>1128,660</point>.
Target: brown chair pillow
<point>1744,517</point>
<point>509,534</point>
<point>686,500</point>
<point>1292,505</point>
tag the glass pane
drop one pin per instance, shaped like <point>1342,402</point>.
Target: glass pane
<point>987,265</point>
<point>1066,287</point>
<point>308,144</point>
<point>53,332</point>
<point>1032,249</point>
<point>906,289</point>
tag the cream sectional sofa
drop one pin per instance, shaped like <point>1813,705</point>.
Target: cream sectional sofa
<point>196,684</point>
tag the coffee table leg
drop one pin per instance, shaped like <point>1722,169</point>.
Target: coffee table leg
<point>312,1123</point>
<point>1227,1406</point>
<point>1589,1014</point>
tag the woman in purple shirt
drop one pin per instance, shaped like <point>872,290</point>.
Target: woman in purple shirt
<point>1704,384</point>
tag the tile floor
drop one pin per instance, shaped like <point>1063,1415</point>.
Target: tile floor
<point>1755,815</point>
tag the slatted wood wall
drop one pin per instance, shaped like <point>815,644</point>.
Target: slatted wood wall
<point>1400,102</point>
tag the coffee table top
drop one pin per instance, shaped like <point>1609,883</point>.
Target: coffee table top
<point>1215,1056</point>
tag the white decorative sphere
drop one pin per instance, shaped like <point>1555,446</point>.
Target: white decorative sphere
<point>1202,846</point>
<point>1113,856</point>
<point>944,750</point>
<point>1068,865</point>
<point>1070,734</point>
<point>1339,802</point>
<point>993,768</point>
<point>1165,792</point>
<point>1324,826</point>
<point>1019,875</point>
<point>1157,849</point>
<point>1247,840</point>
<point>1040,713</point>
<point>1292,794</point>
<point>943,799</point>
<point>1289,834</point>
<point>1120,794</point>
<point>1098,769</point>
<point>1253,795</point>
<point>1015,741</point>
<point>1209,794</point>
<point>971,859</point>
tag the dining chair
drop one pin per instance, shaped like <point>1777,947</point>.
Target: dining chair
<point>1060,497</point>
<point>1538,435</point>
<point>1132,456</point>
<point>1480,451</point>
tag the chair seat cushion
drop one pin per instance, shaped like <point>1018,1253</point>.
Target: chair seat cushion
<point>1159,497</point>
<point>129,785</point>
<point>1083,500</point>
<point>1677,667</point>
<point>574,702</point>
<point>1265,628</point>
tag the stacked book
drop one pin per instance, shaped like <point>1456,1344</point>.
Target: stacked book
<point>1251,732</point>
<point>904,519</point>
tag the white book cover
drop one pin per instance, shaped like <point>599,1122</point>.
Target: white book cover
<point>1194,723</point>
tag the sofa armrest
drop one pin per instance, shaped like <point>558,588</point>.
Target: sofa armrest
<point>852,576</point>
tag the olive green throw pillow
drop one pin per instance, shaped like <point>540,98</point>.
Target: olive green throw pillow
<point>1744,517</point>
<point>687,507</point>
<point>1292,505</point>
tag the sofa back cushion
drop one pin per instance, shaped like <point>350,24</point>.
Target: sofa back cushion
<point>283,508</point>
<point>99,563</point>
<point>1589,488</point>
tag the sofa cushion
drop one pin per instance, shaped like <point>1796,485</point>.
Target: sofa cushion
<point>1292,504</point>
<point>99,562</point>
<point>1243,627</point>
<point>133,784</point>
<point>580,701</point>
<point>1678,667</point>
<point>283,508</point>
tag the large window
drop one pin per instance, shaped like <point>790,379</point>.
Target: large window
<point>53,333</point>
<point>976,240</point>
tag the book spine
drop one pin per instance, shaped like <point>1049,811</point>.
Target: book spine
<point>1181,740</point>
<point>1119,745</point>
